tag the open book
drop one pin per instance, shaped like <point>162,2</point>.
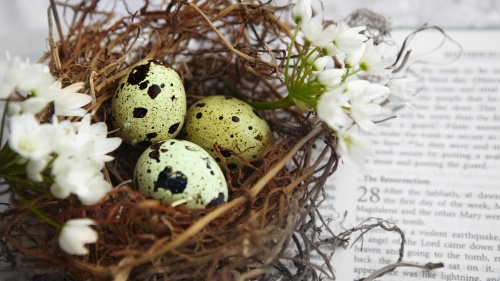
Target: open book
<point>436,170</point>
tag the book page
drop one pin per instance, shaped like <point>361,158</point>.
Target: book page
<point>435,173</point>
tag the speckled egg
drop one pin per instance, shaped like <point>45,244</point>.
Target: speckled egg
<point>149,104</point>
<point>230,123</point>
<point>182,172</point>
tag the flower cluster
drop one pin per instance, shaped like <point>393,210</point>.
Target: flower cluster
<point>321,77</point>
<point>31,87</point>
<point>67,156</point>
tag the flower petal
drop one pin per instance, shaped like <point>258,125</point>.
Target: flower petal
<point>75,234</point>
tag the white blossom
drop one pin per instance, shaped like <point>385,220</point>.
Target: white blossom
<point>96,135</point>
<point>35,89</point>
<point>17,75</point>
<point>320,63</point>
<point>348,39</point>
<point>362,97</point>
<point>330,78</point>
<point>353,147</point>
<point>402,90</point>
<point>353,59</point>
<point>97,187</point>
<point>82,149</point>
<point>370,59</point>
<point>67,102</point>
<point>329,49</point>
<point>75,234</point>
<point>66,142</point>
<point>31,105</point>
<point>80,177</point>
<point>331,110</point>
<point>315,33</point>
<point>35,167</point>
<point>302,11</point>
<point>30,139</point>
<point>89,185</point>
<point>85,140</point>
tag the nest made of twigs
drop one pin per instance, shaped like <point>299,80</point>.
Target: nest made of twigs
<point>218,48</point>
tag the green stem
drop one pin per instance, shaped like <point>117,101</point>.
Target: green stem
<point>263,105</point>
<point>300,62</point>
<point>305,64</point>
<point>34,210</point>
<point>277,104</point>
<point>289,54</point>
<point>7,156</point>
<point>25,183</point>
<point>347,75</point>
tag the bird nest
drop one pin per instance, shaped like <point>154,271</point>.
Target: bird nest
<point>218,48</point>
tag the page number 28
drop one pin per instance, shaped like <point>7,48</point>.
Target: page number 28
<point>369,194</point>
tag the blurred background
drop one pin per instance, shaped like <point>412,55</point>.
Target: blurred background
<point>24,28</point>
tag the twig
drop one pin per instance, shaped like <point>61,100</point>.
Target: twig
<point>224,40</point>
<point>53,45</point>
<point>58,23</point>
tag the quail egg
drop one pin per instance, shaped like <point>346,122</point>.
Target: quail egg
<point>180,172</point>
<point>149,104</point>
<point>230,123</point>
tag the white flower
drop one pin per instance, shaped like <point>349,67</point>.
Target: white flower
<point>370,59</point>
<point>75,234</point>
<point>67,102</point>
<point>401,89</point>
<point>330,78</point>
<point>37,87</point>
<point>22,76</point>
<point>347,39</point>
<point>66,140</point>
<point>329,49</point>
<point>30,139</point>
<point>90,188</point>
<point>302,11</point>
<point>79,177</point>
<point>314,32</point>
<point>85,140</point>
<point>72,175</point>
<point>97,187</point>
<point>96,135</point>
<point>82,149</point>
<point>35,167</point>
<point>353,147</point>
<point>330,108</point>
<point>31,105</point>
<point>352,60</point>
<point>320,63</point>
<point>363,94</point>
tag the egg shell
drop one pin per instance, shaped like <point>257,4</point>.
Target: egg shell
<point>230,123</point>
<point>180,170</point>
<point>149,104</point>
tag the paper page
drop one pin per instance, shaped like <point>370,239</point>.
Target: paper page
<point>436,171</point>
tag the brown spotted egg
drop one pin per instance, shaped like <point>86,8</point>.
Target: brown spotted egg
<point>229,123</point>
<point>149,104</point>
<point>180,172</point>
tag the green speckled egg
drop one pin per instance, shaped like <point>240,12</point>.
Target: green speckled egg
<point>181,172</point>
<point>149,104</point>
<point>230,123</point>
